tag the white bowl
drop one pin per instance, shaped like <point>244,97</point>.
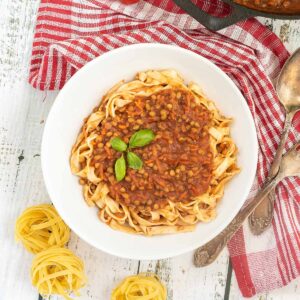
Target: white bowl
<point>82,93</point>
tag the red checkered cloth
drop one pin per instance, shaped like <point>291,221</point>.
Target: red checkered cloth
<point>68,34</point>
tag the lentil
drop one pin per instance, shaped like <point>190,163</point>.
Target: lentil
<point>172,173</point>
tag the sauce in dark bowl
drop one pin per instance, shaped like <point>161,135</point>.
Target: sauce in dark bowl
<point>273,6</point>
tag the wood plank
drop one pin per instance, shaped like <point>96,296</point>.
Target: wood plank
<point>184,281</point>
<point>20,130</point>
<point>21,182</point>
<point>104,271</point>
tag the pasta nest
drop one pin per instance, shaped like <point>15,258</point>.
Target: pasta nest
<point>58,271</point>
<point>40,227</point>
<point>144,286</point>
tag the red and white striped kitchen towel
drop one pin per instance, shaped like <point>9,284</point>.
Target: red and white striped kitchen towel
<point>70,33</point>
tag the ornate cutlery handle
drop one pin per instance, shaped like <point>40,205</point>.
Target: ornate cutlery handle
<point>206,254</point>
<point>278,156</point>
<point>262,216</point>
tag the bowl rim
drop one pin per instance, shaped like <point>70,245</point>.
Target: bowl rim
<point>72,224</point>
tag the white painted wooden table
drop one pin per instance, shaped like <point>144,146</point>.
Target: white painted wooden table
<point>23,111</point>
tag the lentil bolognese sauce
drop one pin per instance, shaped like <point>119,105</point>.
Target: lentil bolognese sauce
<point>182,171</point>
<point>274,6</point>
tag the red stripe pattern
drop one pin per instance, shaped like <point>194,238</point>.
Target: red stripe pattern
<point>70,33</point>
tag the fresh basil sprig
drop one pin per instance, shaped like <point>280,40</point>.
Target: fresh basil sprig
<point>134,161</point>
<point>120,168</point>
<point>118,144</point>
<point>140,138</point>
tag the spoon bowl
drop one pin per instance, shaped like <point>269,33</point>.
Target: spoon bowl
<point>290,164</point>
<point>288,83</point>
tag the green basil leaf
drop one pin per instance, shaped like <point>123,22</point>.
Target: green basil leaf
<point>134,161</point>
<point>120,168</point>
<point>118,144</point>
<point>141,138</point>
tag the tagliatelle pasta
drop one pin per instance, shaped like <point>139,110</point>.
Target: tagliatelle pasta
<point>57,271</point>
<point>185,168</point>
<point>40,227</point>
<point>144,286</point>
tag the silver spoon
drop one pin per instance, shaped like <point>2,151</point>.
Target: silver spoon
<point>288,90</point>
<point>289,166</point>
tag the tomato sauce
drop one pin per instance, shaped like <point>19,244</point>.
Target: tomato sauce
<point>177,164</point>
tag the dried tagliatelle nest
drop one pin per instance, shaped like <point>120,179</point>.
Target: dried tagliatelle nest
<point>40,227</point>
<point>144,286</point>
<point>58,271</point>
<point>55,269</point>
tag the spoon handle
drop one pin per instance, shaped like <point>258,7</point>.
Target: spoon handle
<point>206,254</point>
<point>261,217</point>
<point>278,156</point>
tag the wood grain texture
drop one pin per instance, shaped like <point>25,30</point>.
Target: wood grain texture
<point>287,30</point>
<point>184,281</point>
<point>23,111</point>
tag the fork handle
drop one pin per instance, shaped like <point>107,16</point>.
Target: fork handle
<point>206,254</point>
